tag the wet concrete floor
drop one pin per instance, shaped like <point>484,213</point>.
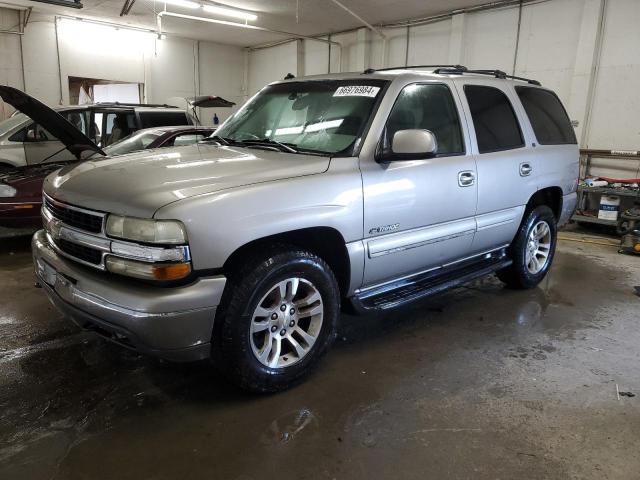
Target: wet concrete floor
<point>480,382</point>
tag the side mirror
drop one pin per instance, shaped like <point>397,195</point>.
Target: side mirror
<point>413,144</point>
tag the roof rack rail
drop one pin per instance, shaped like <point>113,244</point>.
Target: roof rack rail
<point>494,73</point>
<point>408,67</point>
<point>120,104</point>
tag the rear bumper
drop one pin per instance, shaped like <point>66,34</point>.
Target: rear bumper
<point>569,203</point>
<point>175,323</point>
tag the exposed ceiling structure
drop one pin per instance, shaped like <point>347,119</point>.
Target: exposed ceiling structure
<point>302,17</point>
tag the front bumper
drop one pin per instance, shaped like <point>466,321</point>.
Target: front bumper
<point>175,323</point>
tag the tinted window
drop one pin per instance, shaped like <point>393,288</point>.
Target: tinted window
<point>494,120</point>
<point>163,119</point>
<point>32,133</point>
<point>119,126</point>
<point>79,119</point>
<point>429,107</point>
<point>547,115</point>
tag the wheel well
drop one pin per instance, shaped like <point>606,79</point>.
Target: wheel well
<point>326,242</point>
<point>550,196</point>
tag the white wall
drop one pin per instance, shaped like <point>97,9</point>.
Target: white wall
<point>10,63</point>
<point>174,67</point>
<point>556,45</point>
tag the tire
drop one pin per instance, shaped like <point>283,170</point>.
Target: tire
<point>253,296</point>
<point>520,274</point>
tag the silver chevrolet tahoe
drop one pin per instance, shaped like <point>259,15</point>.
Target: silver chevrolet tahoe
<point>361,190</point>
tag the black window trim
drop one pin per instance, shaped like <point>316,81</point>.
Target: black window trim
<point>523,87</point>
<point>524,143</point>
<point>380,145</point>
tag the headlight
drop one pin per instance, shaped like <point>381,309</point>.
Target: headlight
<point>147,271</point>
<point>145,230</point>
<point>7,191</point>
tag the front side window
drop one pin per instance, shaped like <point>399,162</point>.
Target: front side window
<point>494,120</point>
<point>119,126</point>
<point>322,116</point>
<point>427,107</point>
<point>79,119</point>
<point>548,117</point>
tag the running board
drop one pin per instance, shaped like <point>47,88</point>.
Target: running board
<point>408,290</point>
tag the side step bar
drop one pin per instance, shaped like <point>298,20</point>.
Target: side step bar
<point>420,286</point>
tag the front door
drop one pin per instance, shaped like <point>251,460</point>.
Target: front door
<point>40,146</point>
<point>420,214</point>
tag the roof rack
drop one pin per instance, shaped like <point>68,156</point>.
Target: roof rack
<point>118,104</point>
<point>494,73</point>
<point>408,67</point>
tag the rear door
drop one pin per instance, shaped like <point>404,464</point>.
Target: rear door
<point>505,159</point>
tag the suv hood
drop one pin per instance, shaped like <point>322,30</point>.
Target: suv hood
<point>72,138</point>
<point>139,184</point>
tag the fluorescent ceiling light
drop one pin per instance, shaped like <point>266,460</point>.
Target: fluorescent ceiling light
<point>229,12</point>
<point>182,3</point>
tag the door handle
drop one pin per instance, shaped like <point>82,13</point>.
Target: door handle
<point>466,178</point>
<point>525,169</point>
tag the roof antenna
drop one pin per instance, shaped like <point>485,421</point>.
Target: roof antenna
<point>289,76</point>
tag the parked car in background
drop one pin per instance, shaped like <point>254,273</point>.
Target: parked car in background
<point>160,137</point>
<point>21,188</point>
<point>25,142</point>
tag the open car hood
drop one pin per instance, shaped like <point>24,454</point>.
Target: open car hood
<point>72,138</point>
<point>210,101</point>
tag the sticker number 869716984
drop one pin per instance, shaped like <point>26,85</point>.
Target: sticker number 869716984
<point>356,91</point>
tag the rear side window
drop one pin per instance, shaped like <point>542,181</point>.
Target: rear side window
<point>548,117</point>
<point>494,120</point>
<point>163,119</point>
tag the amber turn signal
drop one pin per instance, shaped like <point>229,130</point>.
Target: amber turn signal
<point>171,271</point>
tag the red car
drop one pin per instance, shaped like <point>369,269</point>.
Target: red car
<point>21,189</point>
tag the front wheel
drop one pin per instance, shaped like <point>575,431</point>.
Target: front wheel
<point>532,250</point>
<point>278,317</point>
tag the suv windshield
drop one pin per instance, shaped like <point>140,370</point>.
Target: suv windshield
<point>320,116</point>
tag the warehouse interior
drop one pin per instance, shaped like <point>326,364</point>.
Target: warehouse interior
<point>480,381</point>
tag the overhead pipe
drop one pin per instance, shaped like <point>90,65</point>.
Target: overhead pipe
<point>360,19</point>
<point>166,13</point>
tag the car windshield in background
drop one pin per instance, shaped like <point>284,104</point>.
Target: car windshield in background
<point>11,123</point>
<point>314,116</point>
<point>137,141</point>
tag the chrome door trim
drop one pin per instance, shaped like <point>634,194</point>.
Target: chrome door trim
<point>400,241</point>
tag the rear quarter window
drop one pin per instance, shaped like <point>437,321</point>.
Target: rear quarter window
<point>163,119</point>
<point>548,117</point>
<point>494,119</point>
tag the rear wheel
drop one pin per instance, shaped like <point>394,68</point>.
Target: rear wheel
<point>532,250</point>
<point>278,317</point>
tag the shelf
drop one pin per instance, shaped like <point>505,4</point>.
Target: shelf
<point>609,191</point>
<point>588,219</point>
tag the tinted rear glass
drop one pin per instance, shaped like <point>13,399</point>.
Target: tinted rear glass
<point>494,120</point>
<point>547,115</point>
<point>162,119</point>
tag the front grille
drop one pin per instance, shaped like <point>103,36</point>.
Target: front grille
<point>75,218</point>
<point>87,254</point>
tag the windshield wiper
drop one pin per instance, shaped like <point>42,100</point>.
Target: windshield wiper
<point>283,147</point>
<point>219,139</point>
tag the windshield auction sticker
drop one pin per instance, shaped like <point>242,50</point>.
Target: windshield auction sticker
<point>356,91</point>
